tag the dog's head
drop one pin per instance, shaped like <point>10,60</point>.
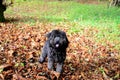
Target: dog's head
<point>58,39</point>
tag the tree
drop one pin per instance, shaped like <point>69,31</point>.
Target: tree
<point>3,6</point>
<point>114,3</point>
<point>2,9</point>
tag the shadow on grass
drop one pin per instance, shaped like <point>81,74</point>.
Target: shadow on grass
<point>31,20</point>
<point>19,19</point>
<point>11,20</point>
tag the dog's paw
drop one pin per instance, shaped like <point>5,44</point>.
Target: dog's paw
<point>41,60</point>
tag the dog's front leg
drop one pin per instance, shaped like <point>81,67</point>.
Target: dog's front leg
<point>59,67</point>
<point>43,56</point>
<point>50,63</point>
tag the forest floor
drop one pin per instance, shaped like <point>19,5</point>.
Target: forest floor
<point>20,47</point>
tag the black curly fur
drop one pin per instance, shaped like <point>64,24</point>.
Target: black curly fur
<point>55,49</point>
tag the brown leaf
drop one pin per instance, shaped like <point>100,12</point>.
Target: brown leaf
<point>82,74</point>
<point>41,78</point>
<point>5,65</point>
<point>57,74</point>
<point>10,52</point>
<point>1,76</point>
<point>18,77</point>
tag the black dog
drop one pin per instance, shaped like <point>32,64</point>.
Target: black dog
<point>55,49</point>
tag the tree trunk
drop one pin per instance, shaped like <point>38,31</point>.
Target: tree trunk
<point>2,18</point>
<point>114,3</point>
<point>2,9</point>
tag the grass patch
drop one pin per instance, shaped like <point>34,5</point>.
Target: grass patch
<point>58,11</point>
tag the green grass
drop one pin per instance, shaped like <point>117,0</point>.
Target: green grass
<point>66,11</point>
<point>79,16</point>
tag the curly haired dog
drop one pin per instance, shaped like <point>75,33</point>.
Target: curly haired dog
<point>55,49</point>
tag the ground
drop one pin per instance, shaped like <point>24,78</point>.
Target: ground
<point>93,52</point>
<point>20,48</point>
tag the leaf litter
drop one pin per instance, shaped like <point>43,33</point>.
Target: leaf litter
<point>20,47</point>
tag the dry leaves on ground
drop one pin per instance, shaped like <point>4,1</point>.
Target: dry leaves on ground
<point>20,47</point>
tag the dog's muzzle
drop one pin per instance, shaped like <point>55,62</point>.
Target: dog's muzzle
<point>57,42</point>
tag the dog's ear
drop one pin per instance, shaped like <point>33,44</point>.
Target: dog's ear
<point>67,42</point>
<point>48,34</point>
